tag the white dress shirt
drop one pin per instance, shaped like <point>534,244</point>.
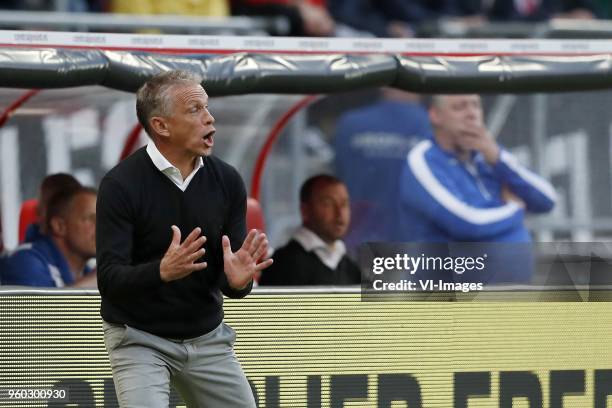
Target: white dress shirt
<point>330,255</point>
<point>172,172</point>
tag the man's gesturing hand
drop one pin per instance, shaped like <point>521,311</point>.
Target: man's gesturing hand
<point>241,266</point>
<point>179,260</point>
<point>477,137</point>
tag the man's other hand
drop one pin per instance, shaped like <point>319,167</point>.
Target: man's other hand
<point>179,260</point>
<point>242,265</point>
<point>477,137</point>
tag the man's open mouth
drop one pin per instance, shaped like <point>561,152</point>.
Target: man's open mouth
<point>209,138</point>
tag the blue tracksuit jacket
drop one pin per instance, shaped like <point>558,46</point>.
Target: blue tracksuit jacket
<point>445,200</point>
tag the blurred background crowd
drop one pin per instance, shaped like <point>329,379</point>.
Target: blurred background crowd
<point>328,18</point>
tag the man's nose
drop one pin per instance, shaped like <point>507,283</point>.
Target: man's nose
<point>209,119</point>
<point>473,112</point>
<point>339,211</point>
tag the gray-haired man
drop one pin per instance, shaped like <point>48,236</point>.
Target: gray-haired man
<point>161,296</point>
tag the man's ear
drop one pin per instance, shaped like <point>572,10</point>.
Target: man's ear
<point>305,212</point>
<point>159,126</point>
<point>433,115</point>
<point>57,226</point>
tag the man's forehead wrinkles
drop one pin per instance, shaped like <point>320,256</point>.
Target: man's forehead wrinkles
<point>192,94</point>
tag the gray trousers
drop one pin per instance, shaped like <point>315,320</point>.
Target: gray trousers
<point>204,370</point>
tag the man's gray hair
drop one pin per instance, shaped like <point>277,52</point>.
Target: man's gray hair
<point>153,99</point>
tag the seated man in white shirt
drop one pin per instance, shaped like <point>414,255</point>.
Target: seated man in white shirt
<point>315,254</point>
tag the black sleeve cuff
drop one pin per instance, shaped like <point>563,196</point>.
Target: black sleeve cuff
<point>235,293</point>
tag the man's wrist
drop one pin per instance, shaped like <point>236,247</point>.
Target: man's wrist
<point>163,276</point>
<point>243,287</point>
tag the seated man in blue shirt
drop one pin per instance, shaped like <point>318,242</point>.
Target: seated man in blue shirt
<point>59,258</point>
<point>463,187</point>
<point>51,185</point>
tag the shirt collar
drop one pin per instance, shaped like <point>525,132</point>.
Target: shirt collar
<point>171,171</point>
<point>161,162</point>
<point>330,255</point>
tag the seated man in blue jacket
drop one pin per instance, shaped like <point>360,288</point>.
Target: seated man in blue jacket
<point>59,257</point>
<point>50,186</point>
<point>463,187</point>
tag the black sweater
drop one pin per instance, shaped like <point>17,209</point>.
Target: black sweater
<point>137,205</point>
<point>293,265</point>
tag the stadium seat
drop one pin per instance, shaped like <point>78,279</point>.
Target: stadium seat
<point>27,216</point>
<point>254,216</point>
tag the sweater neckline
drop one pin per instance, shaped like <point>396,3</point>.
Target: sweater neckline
<point>176,188</point>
